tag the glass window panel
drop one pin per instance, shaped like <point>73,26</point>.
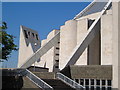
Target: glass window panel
<point>76,80</point>
<point>87,88</point>
<point>86,81</point>
<point>109,88</point>
<point>98,82</point>
<point>103,88</point>
<point>92,87</point>
<point>81,81</point>
<point>97,88</point>
<point>103,82</point>
<point>92,81</point>
<point>109,82</point>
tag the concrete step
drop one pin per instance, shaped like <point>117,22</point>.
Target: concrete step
<point>28,84</point>
<point>49,78</point>
<point>58,84</point>
<point>45,75</point>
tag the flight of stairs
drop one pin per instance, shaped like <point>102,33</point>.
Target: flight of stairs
<point>29,84</point>
<point>58,84</point>
<point>49,78</point>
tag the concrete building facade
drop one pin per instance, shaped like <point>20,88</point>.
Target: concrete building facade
<point>102,51</point>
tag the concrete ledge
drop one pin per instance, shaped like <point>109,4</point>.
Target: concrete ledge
<point>45,75</point>
<point>38,69</point>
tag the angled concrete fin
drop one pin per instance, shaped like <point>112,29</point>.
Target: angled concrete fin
<point>29,43</point>
<point>54,41</point>
<point>88,38</point>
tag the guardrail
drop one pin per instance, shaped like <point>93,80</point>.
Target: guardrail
<point>70,82</point>
<point>39,82</point>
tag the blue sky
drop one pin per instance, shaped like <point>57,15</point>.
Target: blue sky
<point>40,16</point>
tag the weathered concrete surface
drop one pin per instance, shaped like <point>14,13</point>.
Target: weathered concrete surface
<point>91,71</point>
<point>27,44</point>
<point>28,84</point>
<point>116,44</point>
<point>82,46</point>
<point>94,47</point>
<point>40,52</point>
<point>82,27</point>
<point>48,59</point>
<point>106,39</point>
<point>68,41</point>
<point>42,62</point>
<point>38,69</point>
<point>45,75</point>
<point>50,55</point>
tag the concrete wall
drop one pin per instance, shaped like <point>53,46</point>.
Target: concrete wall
<point>82,27</point>
<point>27,44</point>
<point>42,62</point>
<point>116,45</point>
<point>68,41</point>
<point>91,55</point>
<point>94,46</point>
<point>91,71</point>
<point>94,51</point>
<point>45,75</point>
<point>106,39</point>
<point>48,59</point>
<point>51,55</point>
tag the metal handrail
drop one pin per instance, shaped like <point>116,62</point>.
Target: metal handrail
<point>36,80</point>
<point>69,81</point>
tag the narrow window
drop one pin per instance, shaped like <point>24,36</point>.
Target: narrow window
<point>81,81</point>
<point>36,36</point>
<point>57,60</point>
<point>109,82</point>
<point>25,33</point>
<point>103,82</point>
<point>29,33</point>
<point>86,81</point>
<point>103,88</point>
<point>76,80</point>
<point>98,82</point>
<point>56,66</point>
<point>92,81</point>
<point>33,35</point>
<point>57,54</point>
<point>57,48</point>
